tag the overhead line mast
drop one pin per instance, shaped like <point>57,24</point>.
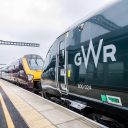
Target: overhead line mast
<point>2,42</point>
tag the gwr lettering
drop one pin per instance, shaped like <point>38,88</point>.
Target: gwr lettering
<point>77,56</point>
<point>110,54</point>
<point>106,54</point>
<point>91,49</point>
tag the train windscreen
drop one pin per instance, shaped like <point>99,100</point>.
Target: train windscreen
<point>35,62</point>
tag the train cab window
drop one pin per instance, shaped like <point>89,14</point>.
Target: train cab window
<point>36,63</point>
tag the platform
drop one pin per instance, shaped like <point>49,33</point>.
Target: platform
<point>23,109</point>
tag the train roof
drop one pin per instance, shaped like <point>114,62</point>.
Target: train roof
<point>89,15</point>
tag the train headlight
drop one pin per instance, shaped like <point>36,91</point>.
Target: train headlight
<point>30,77</point>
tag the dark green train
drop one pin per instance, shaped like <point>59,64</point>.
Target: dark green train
<point>87,66</point>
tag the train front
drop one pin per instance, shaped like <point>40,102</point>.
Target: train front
<point>33,67</point>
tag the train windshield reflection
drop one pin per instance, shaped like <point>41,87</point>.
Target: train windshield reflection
<point>35,63</point>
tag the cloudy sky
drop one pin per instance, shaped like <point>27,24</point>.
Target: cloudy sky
<point>39,21</point>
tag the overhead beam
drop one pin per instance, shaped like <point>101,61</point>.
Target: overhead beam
<point>2,42</point>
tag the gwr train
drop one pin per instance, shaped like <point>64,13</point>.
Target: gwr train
<point>87,66</point>
<point>25,72</point>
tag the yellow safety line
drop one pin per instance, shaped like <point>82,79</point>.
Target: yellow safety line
<point>6,113</point>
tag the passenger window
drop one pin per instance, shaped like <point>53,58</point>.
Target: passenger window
<point>85,33</point>
<point>70,39</point>
<point>97,26</point>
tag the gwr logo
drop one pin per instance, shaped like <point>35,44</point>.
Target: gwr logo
<point>106,54</point>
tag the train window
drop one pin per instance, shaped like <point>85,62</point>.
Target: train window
<point>70,40</point>
<point>109,20</point>
<point>51,55</point>
<point>116,13</point>
<point>36,63</point>
<point>98,26</point>
<point>54,48</point>
<point>46,61</point>
<point>85,33</point>
<point>75,40</point>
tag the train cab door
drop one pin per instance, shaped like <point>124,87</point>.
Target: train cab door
<point>61,66</point>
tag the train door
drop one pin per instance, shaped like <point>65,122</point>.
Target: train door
<point>61,66</point>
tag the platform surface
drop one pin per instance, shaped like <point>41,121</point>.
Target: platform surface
<point>36,112</point>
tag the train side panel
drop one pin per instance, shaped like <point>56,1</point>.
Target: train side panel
<point>88,63</point>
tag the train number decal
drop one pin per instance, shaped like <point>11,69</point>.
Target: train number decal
<point>86,87</point>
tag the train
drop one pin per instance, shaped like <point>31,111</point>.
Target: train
<point>86,67</point>
<point>25,72</point>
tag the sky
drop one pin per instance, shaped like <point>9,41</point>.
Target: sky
<point>39,21</point>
